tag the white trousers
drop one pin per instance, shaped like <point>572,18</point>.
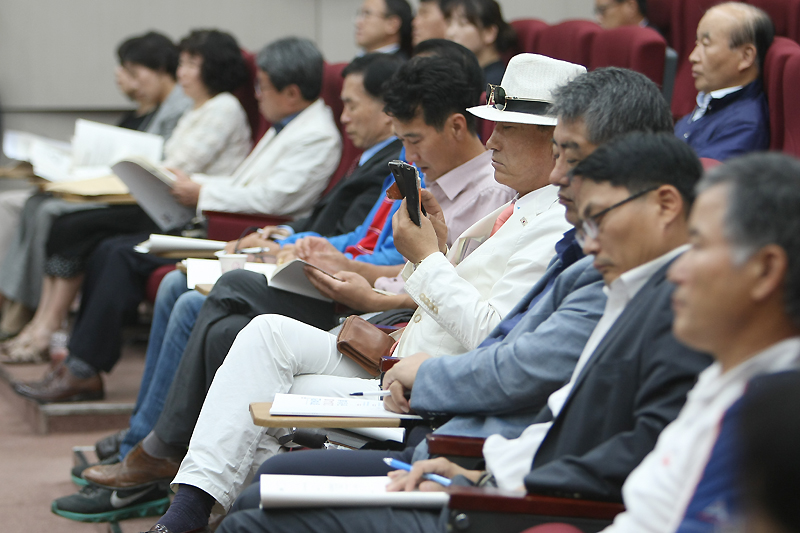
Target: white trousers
<point>271,354</point>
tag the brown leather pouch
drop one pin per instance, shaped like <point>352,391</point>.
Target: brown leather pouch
<point>363,343</point>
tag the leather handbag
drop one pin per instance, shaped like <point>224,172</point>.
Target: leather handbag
<point>363,343</point>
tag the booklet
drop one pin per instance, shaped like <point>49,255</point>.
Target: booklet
<point>354,407</point>
<point>289,491</point>
<point>158,244</point>
<point>291,277</point>
<point>152,187</point>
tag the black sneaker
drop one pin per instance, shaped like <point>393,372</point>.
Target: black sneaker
<point>109,446</point>
<point>77,471</point>
<point>97,504</point>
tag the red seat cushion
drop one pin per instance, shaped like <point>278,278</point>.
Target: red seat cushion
<point>247,97</point>
<point>527,32</point>
<point>151,290</point>
<point>785,15</point>
<point>775,65</point>
<point>791,107</point>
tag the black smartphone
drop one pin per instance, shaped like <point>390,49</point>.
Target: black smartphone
<point>408,181</point>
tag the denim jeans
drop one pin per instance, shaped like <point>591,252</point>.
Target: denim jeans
<point>174,314</point>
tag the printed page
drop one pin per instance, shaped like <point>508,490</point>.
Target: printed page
<point>302,405</point>
<point>96,144</point>
<point>208,271</point>
<point>291,277</point>
<point>286,491</point>
<point>158,243</point>
<point>154,196</point>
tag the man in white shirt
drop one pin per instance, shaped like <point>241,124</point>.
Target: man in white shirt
<point>736,297</point>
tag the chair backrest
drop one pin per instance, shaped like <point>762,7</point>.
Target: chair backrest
<point>247,97</point>
<point>659,13</point>
<point>791,106</point>
<point>640,49</point>
<point>527,32</point>
<point>785,15</point>
<point>686,16</point>
<point>331,93</point>
<point>572,41</point>
<point>775,65</point>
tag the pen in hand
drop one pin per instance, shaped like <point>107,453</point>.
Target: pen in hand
<point>400,465</point>
<point>380,393</point>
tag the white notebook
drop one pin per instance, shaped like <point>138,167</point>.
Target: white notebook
<point>302,405</point>
<point>282,491</point>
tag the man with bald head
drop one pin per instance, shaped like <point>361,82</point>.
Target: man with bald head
<point>731,116</point>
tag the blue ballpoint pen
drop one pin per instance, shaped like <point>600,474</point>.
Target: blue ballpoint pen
<point>400,465</point>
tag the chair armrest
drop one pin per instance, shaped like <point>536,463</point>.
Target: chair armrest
<point>388,362</point>
<point>450,445</point>
<point>224,226</point>
<point>502,501</point>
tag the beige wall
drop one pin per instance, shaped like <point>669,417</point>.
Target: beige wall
<point>57,56</point>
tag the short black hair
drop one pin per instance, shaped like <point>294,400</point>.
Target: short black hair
<point>223,68</point>
<point>402,10</point>
<point>458,54</point>
<point>434,86</point>
<point>377,70</point>
<point>293,61</point>
<point>640,161</point>
<point>484,14</point>
<point>152,50</point>
<point>763,209</point>
<point>613,101</point>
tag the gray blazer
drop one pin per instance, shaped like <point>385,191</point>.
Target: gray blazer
<point>169,112</point>
<point>506,384</point>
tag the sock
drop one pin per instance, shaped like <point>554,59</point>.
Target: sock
<point>159,449</point>
<point>189,510</point>
<point>79,368</point>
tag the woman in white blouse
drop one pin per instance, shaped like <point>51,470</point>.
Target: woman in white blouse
<point>213,137</point>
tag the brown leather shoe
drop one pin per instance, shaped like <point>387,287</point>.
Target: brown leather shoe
<point>138,469</point>
<point>59,385</point>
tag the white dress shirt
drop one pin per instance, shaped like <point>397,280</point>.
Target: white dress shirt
<point>704,99</point>
<point>510,460</point>
<point>658,491</point>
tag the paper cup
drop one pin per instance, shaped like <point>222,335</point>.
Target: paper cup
<point>228,262</point>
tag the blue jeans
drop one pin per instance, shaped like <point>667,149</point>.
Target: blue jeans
<point>174,314</point>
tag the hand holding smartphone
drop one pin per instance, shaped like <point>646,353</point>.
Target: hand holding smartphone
<point>408,182</point>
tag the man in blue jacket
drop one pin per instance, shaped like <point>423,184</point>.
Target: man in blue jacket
<point>731,116</point>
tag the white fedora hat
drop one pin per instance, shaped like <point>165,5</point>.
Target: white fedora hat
<point>526,91</point>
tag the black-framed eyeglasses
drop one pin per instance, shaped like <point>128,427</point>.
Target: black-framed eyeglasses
<point>590,226</point>
<point>496,96</point>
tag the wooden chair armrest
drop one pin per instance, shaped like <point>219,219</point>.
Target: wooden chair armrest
<point>455,446</point>
<point>500,501</point>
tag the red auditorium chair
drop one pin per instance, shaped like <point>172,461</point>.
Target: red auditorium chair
<point>228,226</point>
<point>571,41</point>
<point>247,97</point>
<point>775,67</point>
<point>785,14</point>
<point>640,49</point>
<point>685,17</point>
<point>659,14</point>
<point>527,32</point>
<point>791,106</point>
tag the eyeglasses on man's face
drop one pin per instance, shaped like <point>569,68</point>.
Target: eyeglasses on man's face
<point>589,228</point>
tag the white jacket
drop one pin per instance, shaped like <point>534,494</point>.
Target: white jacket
<point>285,174</point>
<point>460,305</point>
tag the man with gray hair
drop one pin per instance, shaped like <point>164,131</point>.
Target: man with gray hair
<point>738,298</point>
<point>731,117</point>
<point>289,168</point>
